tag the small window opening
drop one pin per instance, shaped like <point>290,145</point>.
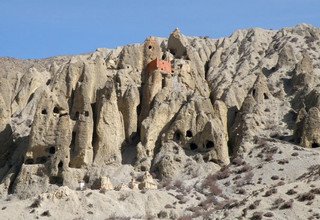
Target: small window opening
<point>86,113</point>
<point>73,140</point>
<point>52,150</point>
<point>177,136</point>
<point>265,96</point>
<point>150,47</point>
<point>189,133</point>
<point>254,92</point>
<point>44,112</point>
<point>56,110</point>
<point>209,144</point>
<point>86,178</point>
<point>143,168</point>
<point>60,165</point>
<point>48,82</point>
<point>29,161</point>
<point>163,82</point>
<point>193,146</point>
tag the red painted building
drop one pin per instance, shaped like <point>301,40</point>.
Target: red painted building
<point>162,65</point>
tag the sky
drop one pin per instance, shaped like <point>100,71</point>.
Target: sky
<point>32,29</point>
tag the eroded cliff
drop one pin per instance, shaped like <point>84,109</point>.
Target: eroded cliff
<point>179,107</point>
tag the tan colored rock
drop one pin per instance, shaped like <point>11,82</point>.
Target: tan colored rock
<point>151,50</point>
<point>260,91</point>
<point>177,44</point>
<point>151,88</point>
<point>109,128</point>
<point>286,57</point>
<point>133,184</point>
<point>310,134</point>
<point>5,131</point>
<point>148,182</point>
<point>106,183</point>
<point>131,56</point>
<point>44,136</point>
<point>122,187</point>
<point>303,73</point>
<point>75,118</point>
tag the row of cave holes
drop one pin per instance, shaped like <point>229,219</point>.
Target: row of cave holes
<point>209,145</point>
<point>265,96</point>
<point>171,51</point>
<point>44,159</point>
<point>57,180</point>
<point>56,110</point>
<point>193,146</point>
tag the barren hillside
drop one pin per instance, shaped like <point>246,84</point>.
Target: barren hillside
<point>184,127</point>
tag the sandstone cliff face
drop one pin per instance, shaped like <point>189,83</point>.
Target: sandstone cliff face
<point>74,118</point>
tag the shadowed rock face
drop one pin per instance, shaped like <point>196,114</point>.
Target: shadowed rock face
<point>72,118</point>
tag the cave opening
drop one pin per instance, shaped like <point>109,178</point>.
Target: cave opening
<point>44,111</point>
<point>209,144</point>
<point>56,110</point>
<point>177,136</point>
<point>315,145</point>
<point>193,146</point>
<point>254,92</point>
<point>189,133</point>
<point>163,82</point>
<point>29,161</point>
<point>52,150</point>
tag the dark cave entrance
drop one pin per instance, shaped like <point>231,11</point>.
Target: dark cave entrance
<point>315,145</point>
<point>189,133</point>
<point>209,144</point>
<point>52,150</point>
<point>193,146</point>
<point>177,136</point>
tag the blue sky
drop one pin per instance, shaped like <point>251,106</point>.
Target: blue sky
<point>44,28</point>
